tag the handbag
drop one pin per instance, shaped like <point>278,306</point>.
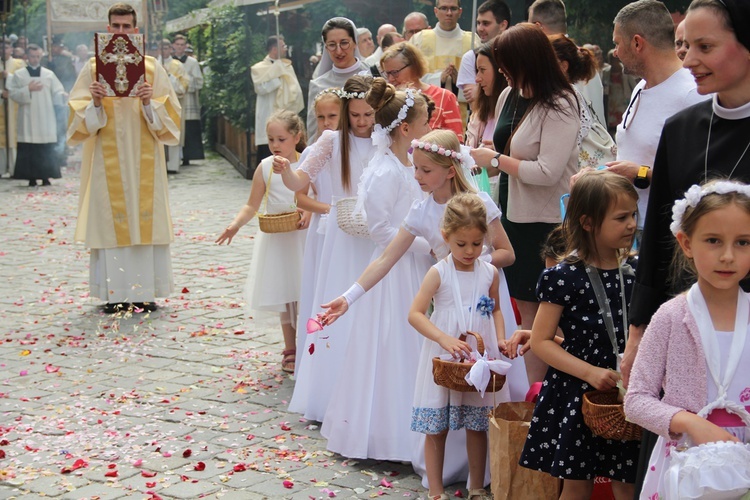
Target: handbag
<point>597,146</point>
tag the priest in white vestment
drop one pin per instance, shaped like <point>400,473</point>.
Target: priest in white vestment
<point>276,88</point>
<point>36,90</point>
<point>123,214</point>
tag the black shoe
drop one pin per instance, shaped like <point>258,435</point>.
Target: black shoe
<point>115,307</point>
<point>185,163</point>
<point>32,183</point>
<point>46,182</point>
<point>146,306</point>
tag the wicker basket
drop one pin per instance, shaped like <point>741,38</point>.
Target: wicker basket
<point>351,223</point>
<point>277,223</point>
<point>451,374</point>
<point>605,416</point>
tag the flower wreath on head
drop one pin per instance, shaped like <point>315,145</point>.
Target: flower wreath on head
<point>694,195</point>
<point>351,95</point>
<point>380,134</point>
<point>330,90</point>
<point>463,156</point>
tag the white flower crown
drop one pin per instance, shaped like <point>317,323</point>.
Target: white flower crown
<point>380,133</point>
<point>410,95</point>
<point>351,95</point>
<point>331,90</point>
<point>694,195</point>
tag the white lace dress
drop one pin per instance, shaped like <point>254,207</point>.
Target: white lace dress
<point>369,413</point>
<point>342,260</point>
<point>312,255</point>
<point>276,266</point>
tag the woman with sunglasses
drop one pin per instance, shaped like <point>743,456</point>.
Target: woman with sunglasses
<point>341,60</point>
<point>404,66</point>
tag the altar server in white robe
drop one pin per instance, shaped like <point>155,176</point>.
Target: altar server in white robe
<point>123,211</point>
<point>36,90</point>
<point>180,81</point>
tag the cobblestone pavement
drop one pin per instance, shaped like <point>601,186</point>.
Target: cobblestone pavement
<point>185,402</point>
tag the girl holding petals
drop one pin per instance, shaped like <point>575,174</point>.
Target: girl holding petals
<point>273,283</point>
<point>368,414</point>
<point>335,163</point>
<point>466,296</point>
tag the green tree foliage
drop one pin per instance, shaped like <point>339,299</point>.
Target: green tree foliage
<point>226,89</point>
<point>179,8</point>
<point>230,49</point>
<point>30,20</point>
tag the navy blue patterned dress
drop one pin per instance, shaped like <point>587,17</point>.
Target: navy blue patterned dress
<point>559,442</point>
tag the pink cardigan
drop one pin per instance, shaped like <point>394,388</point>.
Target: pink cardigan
<point>670,357</point>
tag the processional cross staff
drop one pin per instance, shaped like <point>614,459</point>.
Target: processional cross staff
<point>121,57</point>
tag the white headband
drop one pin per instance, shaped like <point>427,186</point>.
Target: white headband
<point>380,133</point>
<point>694,195</point>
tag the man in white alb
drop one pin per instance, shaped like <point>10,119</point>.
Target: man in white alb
<point>123,210</point>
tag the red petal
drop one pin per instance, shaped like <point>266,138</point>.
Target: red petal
<point>148,473</point>
<point>111,473</point>
<point>200,466</point>
<point>288,484</point>
<point>187,453</point>
<point>185,290</point>
<point>311,349</point>
<point>385,484</point>
<point>151,485</point>
<point>313,325</point>
<point>240,468</point>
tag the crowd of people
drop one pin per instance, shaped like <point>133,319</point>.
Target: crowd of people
<point>413,208</point>
<point>516,121</point>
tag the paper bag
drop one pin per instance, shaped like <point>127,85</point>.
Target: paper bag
<point>509,425</point>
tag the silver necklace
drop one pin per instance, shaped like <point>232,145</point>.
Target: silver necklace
<point>708,142</point>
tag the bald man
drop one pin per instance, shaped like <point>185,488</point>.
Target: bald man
<point>374,58</point>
